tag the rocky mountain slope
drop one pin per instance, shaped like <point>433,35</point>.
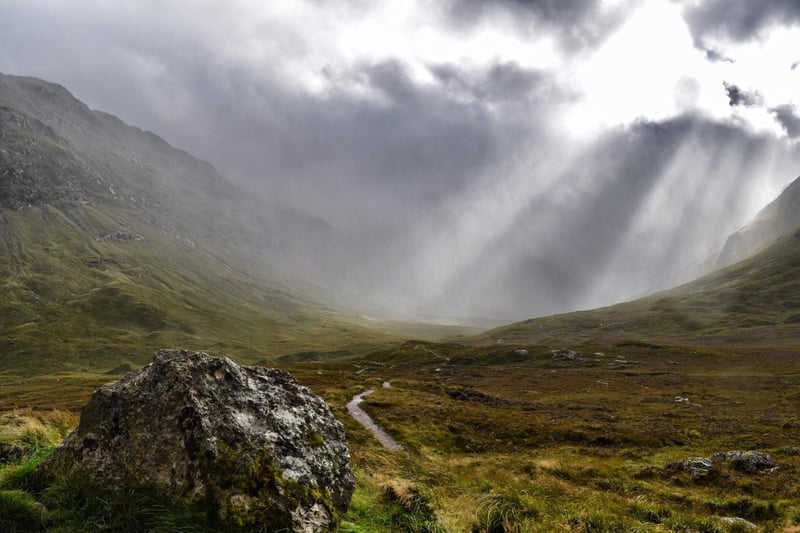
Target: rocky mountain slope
<point>114,242</point>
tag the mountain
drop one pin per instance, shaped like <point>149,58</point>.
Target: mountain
<point>753,302</point>
<point>776,219</point>
<point>113,243</point>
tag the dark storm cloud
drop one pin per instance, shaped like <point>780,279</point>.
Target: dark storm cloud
<point>576,24</point>
<point>788,118</point>
<point>422,142</point>
<point>739,20</point>
<point>740,97</point>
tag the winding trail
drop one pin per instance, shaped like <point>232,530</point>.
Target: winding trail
<point>364,419</point>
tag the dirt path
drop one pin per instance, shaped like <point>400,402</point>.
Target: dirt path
<point>363,418</point>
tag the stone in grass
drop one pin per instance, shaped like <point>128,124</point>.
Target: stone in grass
<point>252,445</point>
<point>695,466</point>
<point>738,522</point>
<point>746,461</point>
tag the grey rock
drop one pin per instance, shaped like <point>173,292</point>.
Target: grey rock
<point>736,521</point>
<point>119,236</point>
<point>521,352</point>
<point>251,443</point>
<point>747,461</point>
<point>568,355</point>
<point>695,466</point>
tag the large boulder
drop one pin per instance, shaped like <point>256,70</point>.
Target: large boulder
<point>259,450</point>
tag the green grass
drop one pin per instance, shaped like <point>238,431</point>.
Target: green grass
<point>18,512</point>
<point>546,444</point>
<point>535,444</point>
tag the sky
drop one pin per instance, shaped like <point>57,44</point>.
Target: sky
<point>491,159</point>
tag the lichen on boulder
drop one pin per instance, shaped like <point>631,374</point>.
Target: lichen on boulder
<point>250,444</point>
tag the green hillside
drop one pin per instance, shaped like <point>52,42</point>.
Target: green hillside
<point>756,300</point>
<point>113,244</point>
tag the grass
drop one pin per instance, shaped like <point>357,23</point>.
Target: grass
<point>541,444</point>
<point>18,512</point>
<point>547,444</point>
<point>116,302</point>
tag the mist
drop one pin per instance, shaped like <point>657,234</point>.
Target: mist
<point>464,161</point>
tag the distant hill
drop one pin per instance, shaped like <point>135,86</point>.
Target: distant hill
<point>756,300</point>
<point>113,243</point>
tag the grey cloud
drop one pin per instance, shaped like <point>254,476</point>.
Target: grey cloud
<point>740,97</point>
<point>716,56</point>
<point>420,142</point>
<point>788,118</point>
<point>739,20</point>
<point>502,83</point>
<point>576,24</point>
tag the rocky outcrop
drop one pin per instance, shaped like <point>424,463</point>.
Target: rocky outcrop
<point>749,462</point>
<point>259,450</point>
<point>119,236</point>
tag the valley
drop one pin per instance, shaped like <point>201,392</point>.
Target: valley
<point>113,245</point>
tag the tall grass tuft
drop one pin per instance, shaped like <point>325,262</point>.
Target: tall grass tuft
<point>505,513</point>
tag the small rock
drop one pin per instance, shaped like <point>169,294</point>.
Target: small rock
<point>741,522</point>
<point>119,236</point>
<point>748,461</point>
<point>521,352</point>
<point>695,466</point>
<point>568,355</point>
